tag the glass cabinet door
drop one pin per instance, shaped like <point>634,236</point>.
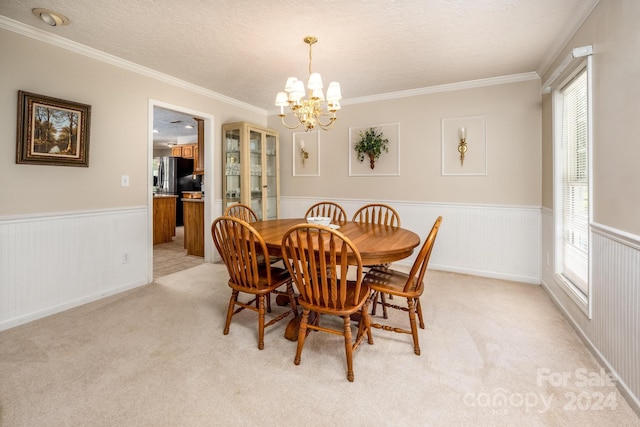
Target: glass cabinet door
<point>255,164</point>
<point>271,181</point>
<point>251,169</point>
<point>232,184</point>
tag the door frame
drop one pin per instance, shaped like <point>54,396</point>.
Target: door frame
<point>208,180</point>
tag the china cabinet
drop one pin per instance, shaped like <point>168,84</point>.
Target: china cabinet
<point>251,168</point>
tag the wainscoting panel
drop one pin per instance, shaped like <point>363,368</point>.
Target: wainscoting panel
<point>49,263</point>
<point>484,240</point>
<point>613,332</point>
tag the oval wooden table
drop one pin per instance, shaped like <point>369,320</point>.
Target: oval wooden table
<point>378,244</point>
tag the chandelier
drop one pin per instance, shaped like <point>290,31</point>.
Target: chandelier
<point>309,111</point>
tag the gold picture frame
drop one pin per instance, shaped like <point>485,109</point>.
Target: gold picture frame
<point>52,131</point>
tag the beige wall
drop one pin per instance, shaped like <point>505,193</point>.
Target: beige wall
<point>119,126</point>
<point>513,124</point>
<point>612,29</point>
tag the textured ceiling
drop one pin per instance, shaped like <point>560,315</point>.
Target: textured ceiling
<point>245,49</point>
<point>171,127</point>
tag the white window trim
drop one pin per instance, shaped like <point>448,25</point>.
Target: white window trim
<point>584,302</point>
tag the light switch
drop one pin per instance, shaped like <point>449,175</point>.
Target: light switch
<point>124,181</point>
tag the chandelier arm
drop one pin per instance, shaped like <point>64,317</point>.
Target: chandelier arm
<point>282,116</point>
<point>326,126</point>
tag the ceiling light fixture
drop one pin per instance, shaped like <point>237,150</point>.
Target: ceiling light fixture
<point>309,111</point>
<point>50,17</point>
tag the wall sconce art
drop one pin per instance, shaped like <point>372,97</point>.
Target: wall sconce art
<point>306,153</point>
<point>462,145</point>
<point>303,154</point>
<point>456,157</point>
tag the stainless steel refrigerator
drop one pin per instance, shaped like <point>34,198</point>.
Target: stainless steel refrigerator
<point>173,175</point>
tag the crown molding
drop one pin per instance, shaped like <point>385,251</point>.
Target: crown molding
<point>35,33</point>
<point>563,40</point>
<point>449,87</point>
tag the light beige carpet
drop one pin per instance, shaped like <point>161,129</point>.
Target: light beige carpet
<point>493,353</point>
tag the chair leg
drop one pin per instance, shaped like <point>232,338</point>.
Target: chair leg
<point>374,303</point>
<point>414,327</point>
<point>365,323</point>
<point>302,334</point>
<point>292,299</point>
<point>383,298</point>
<point>419,310</point>
<point>268,298</point>
<point>348,346</point>
<point>232,304</point>
<point>261,321</point>
<point>382,302</point>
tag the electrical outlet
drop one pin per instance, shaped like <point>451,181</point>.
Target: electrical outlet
<point>126,257</point>
<point>124,180</point>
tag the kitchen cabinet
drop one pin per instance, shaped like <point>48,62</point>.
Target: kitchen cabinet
<point>186,151</point>
<point>196,159</point>
<point>191,151</point>
<point>198,153</point>
<point>251,168</point>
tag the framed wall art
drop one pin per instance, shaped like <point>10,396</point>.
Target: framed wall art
<point>374,150</point>
<point>464,145</point>
<point>52,131</point>
<point>306,153</point>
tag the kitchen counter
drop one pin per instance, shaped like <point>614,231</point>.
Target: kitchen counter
<point>194,226</point>
<point>164,217</point>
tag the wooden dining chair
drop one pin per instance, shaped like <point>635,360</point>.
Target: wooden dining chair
<point>377,213</point>
<point>409,286</point>
<point>330,209</point>
<point>317,258</point>
<point>240,245</point>
<point>244,212</point>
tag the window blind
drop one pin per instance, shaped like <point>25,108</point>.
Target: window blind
<point>575,183</point>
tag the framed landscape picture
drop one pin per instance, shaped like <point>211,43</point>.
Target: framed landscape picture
<point>52,131</point>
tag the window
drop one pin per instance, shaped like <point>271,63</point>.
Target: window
<point>572,183</point>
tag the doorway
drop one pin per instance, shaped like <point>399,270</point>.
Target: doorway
<point>169,126</point>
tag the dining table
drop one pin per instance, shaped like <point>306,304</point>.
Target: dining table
<point>377,244</point>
